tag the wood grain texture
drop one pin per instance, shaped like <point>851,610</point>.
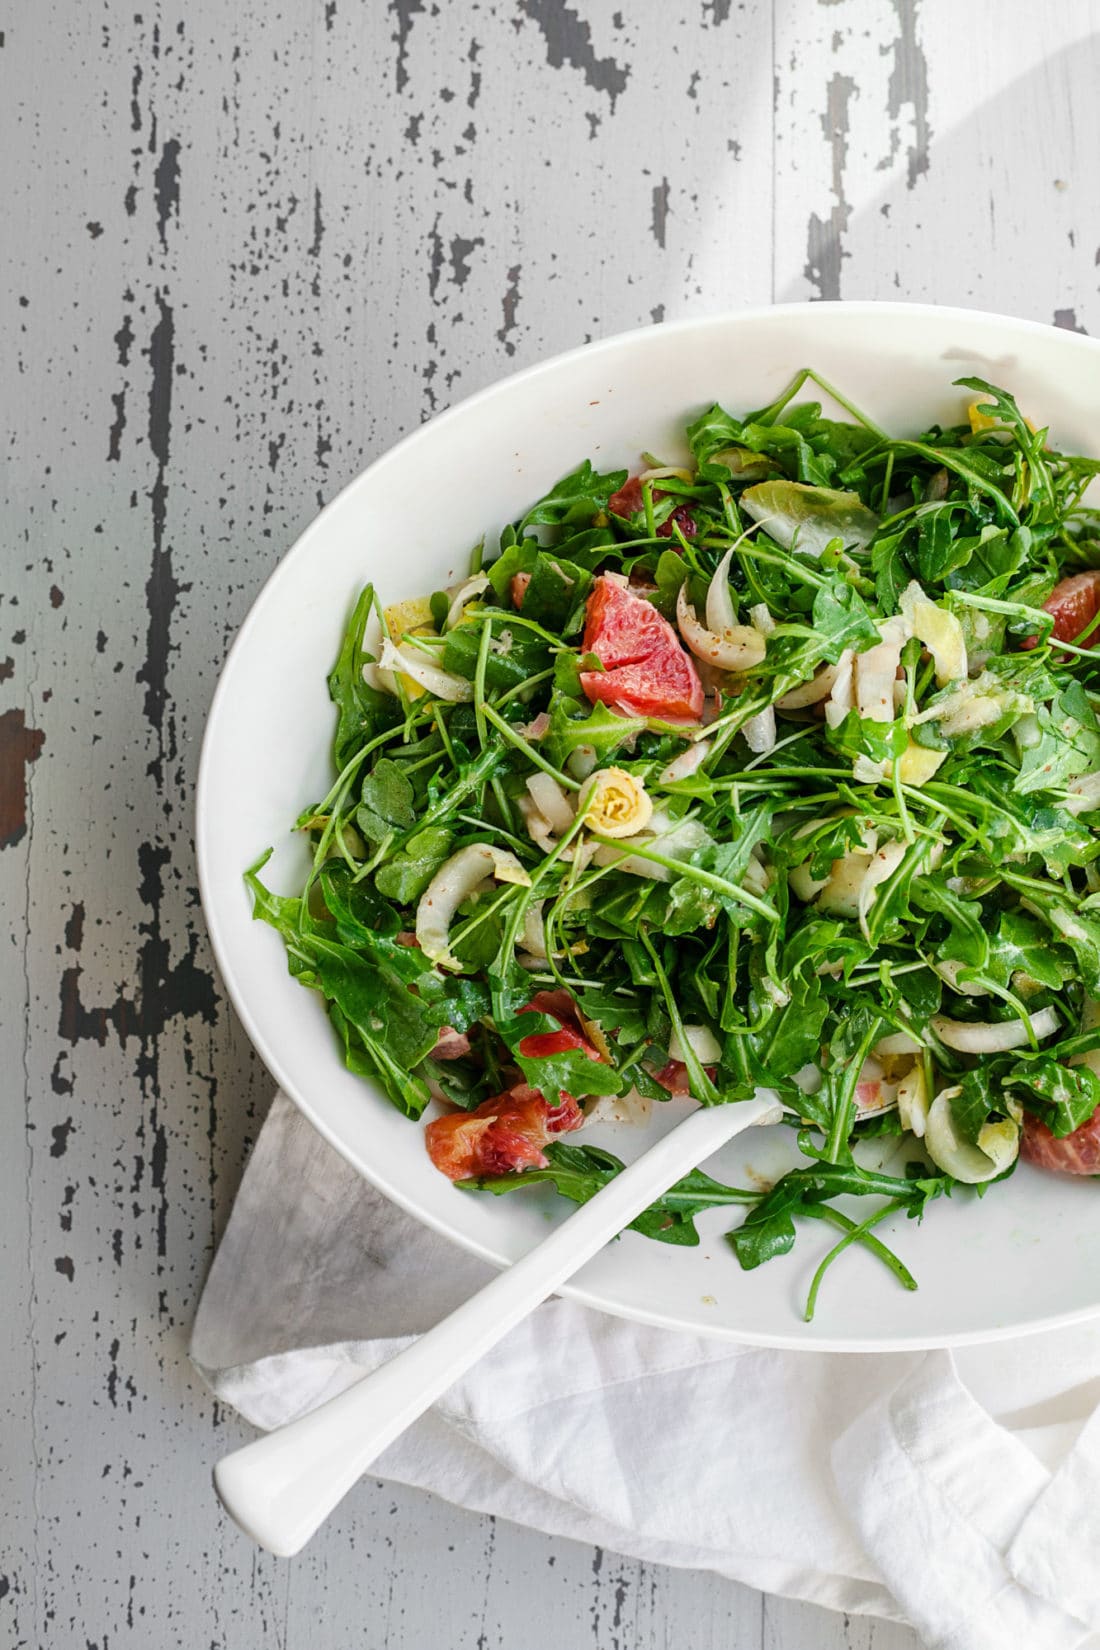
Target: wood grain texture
<point>247,246</point>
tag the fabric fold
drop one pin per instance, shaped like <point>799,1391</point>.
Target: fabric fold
<point>955,1495</point>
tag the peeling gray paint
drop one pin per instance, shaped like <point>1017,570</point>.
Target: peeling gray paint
<point>255,244</point>
<point>909,86</point>
<point>569,40</point>
<point>509,306</point>
<point>825,237</point>
<point>659,220</point>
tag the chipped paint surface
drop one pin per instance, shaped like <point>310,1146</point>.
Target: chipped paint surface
<point>256,243</point>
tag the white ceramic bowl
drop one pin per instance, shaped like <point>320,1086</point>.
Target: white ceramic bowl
<point>1022,1259</point>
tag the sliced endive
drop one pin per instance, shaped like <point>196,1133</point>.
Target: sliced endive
<point>808,518</point>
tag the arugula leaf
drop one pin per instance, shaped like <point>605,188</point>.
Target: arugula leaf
<point>769,1230</point>
<point>405,877</point>
<point>1063,1096</point>
<point>515,654</point>
<point>1021,944</point>
<point>841,619</point>
<point>1068,743</point>
<point>361,710</point>
<point>600,729</point>
<point>556,591</point>
<point>517,558</point>
<point>388,801</point>
<point>711,432</point>
<point>572,1071</point>
<point>575,499</point>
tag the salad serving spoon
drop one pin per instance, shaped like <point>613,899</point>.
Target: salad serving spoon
<point>282,1487</point>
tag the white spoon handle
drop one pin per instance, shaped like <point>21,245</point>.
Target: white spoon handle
<point>281,1488</point>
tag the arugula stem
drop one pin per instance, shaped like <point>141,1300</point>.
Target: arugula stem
<point>855,1234</point>
<point>840,1126</point>
<point>647,501</point>
<point>444,734</point>
<point>479,683</point>
<point>700,1084</point>
<point>525,686</point>
<point>521,744</point>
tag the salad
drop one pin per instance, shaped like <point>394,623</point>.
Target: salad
<point>778,768</point>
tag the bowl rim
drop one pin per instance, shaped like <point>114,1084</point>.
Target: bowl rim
<point>238,996</point>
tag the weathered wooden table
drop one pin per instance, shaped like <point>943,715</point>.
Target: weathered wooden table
<point>245,246</point>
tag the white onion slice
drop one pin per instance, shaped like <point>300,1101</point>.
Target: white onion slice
<point>993,1037</point>
<point>841,893</point>
<point>538,826</point>
<point>720,614</point>
<point>1084,794</point>
<point>949,969</point>
<point>997,1148</point>
<point>898,1042</point>
<point>812,692</point>
<point>455,881</point>
<point>762,620</point>
<point>803,884</point>
<point>582,761</point>
<point>412,662</point>
<point>756,878</point>
<point>760,732</point>
<point>465,592</point>
<point>551,801</point>
<point>738,647</point>
<point>913,1101</point>
<point>702,1042</point>
<point>687,763</point>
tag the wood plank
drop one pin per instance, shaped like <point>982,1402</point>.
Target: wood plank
<point>254,244</point>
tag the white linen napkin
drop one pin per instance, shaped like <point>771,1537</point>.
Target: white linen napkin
<point>958,1493</point>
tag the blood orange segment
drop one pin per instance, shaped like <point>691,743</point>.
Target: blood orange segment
<point>502,1135</point>
<point>560,1006</point>
<point>621,627</point>
<point>673,1076</point>
<point>646,671</point>
<point>1073,604</point>
<point>629,500</point>
<point>542,1043</point>
<point>1076,1153</point>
